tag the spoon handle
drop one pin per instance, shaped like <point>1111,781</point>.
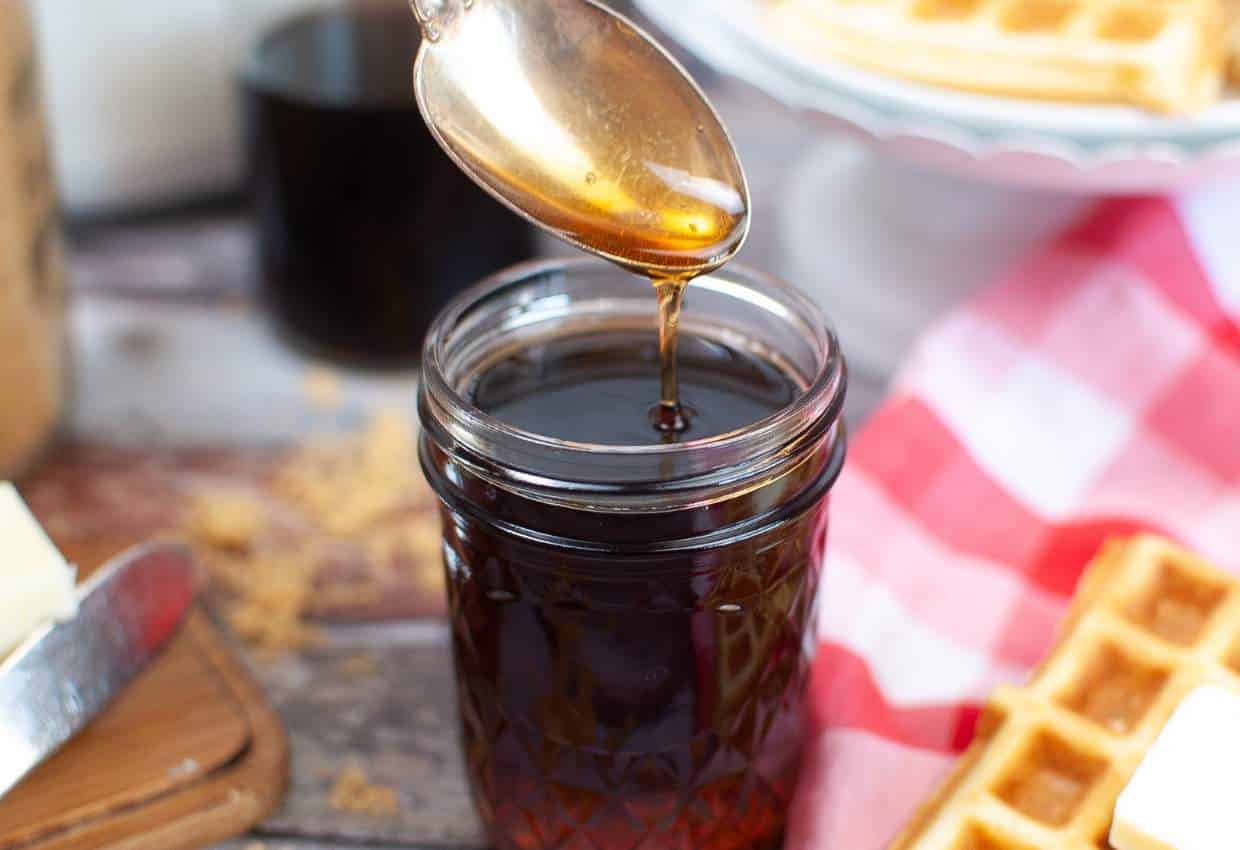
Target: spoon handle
<point>437,15</point>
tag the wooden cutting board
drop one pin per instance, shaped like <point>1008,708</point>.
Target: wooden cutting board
<point>189,755</point>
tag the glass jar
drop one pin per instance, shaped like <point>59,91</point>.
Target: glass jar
<point>365,227</point>
<point>632,624</point>
<point>32,327</point>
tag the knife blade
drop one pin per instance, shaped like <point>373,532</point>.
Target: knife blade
<point>62,677</point>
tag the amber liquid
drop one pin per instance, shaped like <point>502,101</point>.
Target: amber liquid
<point>628,698</point>
<point>594,388</point>
<point>670,415</point>
<point>679,237</point>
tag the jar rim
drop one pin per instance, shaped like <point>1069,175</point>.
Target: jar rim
<point>819,404</point>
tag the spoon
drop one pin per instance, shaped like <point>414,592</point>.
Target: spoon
<point>578,121</point>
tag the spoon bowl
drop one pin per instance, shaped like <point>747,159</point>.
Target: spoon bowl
<point>577,120</point>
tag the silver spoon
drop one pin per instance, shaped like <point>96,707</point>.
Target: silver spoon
<point>575,118</point>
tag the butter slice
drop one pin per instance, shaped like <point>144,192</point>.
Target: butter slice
<point>36,584</point>
<point>1185,795</point>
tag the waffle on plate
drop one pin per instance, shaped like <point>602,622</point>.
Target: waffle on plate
<point>1165,55</point>
<point>1233,40</point>
<point>1150,622</point>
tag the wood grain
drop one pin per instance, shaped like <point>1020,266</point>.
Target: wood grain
<point>190,754</point>
<point>399,722</point>
<point>94,499</point>
<point>175,725</point>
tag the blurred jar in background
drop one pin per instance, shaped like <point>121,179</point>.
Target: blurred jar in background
<point>366,228</point>
<point>32,326</point>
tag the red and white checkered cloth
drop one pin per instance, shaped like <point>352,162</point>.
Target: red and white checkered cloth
<point>1095,392</point>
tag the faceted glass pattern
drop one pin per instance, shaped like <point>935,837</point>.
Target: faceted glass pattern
<point>633,702</point>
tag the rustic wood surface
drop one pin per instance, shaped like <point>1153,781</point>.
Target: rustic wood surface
<point>400,722</point>
<point>164,733</point>
<point>189,754</point>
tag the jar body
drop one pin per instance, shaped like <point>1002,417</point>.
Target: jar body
<point>32,295</point>
<point>631,656</point>
<point>655,697</point>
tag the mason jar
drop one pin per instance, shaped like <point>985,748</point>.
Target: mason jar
<point>632,619</point>
<point>32,293</point>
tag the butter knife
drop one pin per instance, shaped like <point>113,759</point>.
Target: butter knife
<point>63,676</point>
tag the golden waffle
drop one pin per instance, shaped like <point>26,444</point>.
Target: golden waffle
<point>1150,622</point>
<point>1166,55</point>
<point>1233,40</point>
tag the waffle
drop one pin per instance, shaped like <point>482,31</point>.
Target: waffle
<point>1233,40</point>
<point>1150,622</point>
<point>1165,55</point>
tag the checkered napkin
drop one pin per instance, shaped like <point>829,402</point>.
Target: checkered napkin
<point>1095,392</point>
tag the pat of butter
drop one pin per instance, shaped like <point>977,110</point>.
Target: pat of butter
<point>36,584</point>
<point>1184,795</point>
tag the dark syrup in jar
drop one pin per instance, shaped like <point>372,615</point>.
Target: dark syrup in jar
<point>622,696</point>
<point>598,388</point>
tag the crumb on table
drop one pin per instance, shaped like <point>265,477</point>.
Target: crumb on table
<point>354,792</point>
<point>364,665</point>
<point>356,498</point>
<point>322,388</point>
<point>227,520</point>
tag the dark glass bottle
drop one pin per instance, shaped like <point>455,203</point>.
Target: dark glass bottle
<point>366,228</point>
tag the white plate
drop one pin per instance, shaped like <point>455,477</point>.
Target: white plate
<point>1081,148</point>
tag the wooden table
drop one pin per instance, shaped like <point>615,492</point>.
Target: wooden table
<point>170,354</point>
